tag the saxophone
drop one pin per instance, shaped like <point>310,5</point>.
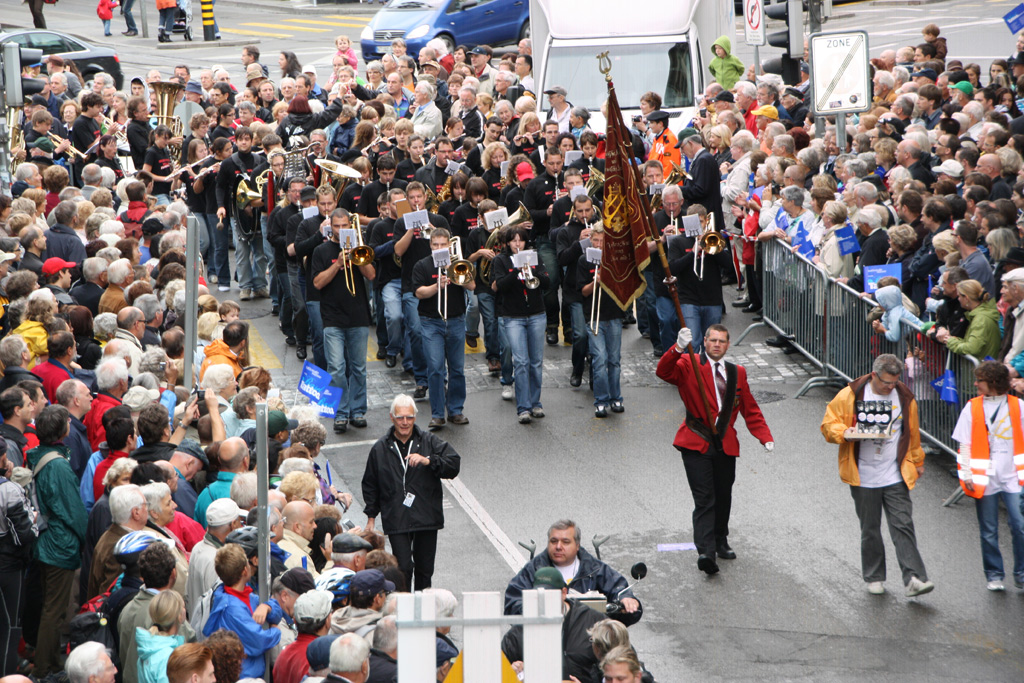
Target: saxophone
<point>446,191</point>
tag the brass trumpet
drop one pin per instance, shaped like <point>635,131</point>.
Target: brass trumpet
<point>710,242</point>
<point>460,272</point>
<point>677,176</point>
<point>121,135</point>
<point>56,139</point>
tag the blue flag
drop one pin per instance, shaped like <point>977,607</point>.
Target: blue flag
<point>315,384</point>
<point>945,387</point>
<point>848,243</point>
<point>872,274</point>
<point>802,242</point>
<point>782,220</point>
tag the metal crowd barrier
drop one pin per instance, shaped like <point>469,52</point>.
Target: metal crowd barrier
<point>826,321</point>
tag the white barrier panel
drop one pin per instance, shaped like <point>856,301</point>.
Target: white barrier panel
<point>482,641</point>
<point>417,649</point>
<point>542,643</point>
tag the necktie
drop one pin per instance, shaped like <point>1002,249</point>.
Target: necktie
<point>720,383</point>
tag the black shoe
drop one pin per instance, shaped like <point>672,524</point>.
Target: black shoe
<point>575,380</point>
<point>645,335</point>
<point>617,407</point>
<point>300,352</point>
<point>471,341</point>
<point>359,422</point>
<point>729,280</point>
<point>752,309</point>
<point>725,552</point>
<point>658,353</point>
<point>790,350</point>
<point>390,361</point>
<point>340,425</point>
<point>742,303</point>
<point>707,564</point>
<point>420,393</point>
<point>601,411</point>
<point>777,342</point>
<point>274,311</point>
<point>630,319</point>
<point>289,341</point>
<point>381,354</point>
<point>552,338</point>
<point>758,318</point>
<point>435,423</point>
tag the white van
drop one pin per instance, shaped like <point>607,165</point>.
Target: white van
<point>654,45</point>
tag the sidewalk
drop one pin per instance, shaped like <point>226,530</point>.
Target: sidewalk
<point>307,6</point>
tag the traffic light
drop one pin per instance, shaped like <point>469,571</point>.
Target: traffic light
<point>18,88</point>
<point>791,40</point>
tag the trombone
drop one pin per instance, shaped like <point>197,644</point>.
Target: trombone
<point>460,271</point>
<point>709,242</point>
<point>356,256</point>
<point>56,139</point>
<point>595,302</point>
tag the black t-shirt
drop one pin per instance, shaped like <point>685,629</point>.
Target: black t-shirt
<point>585,275</point>
<point>569,249</point>
<point>419,248</point>
<point>492,177</point>
<point>373,191</point>
<point>210,188</point>
<point>407,169</point>
<point>338,307</point>
<point>159,161</point>
<point>350,197</point>
<point>517,301</point>
<point>465,219</point>
<point>476,241</point>
<point>424,274</point>
<point>381,233</point>
<point>693,290</point>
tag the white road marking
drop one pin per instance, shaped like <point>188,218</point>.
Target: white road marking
<point>347,444</point>
<point>498,538</point>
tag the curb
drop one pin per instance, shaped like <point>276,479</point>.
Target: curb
<point>305,6</point>
<point>204,44</point>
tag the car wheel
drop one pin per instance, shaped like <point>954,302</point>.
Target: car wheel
<point>449,42</point>
<point>524,32</point>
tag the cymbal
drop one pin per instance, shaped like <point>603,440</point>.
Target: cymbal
<point>338,169</point>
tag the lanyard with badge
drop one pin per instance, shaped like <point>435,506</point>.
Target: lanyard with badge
<point>992,421</point>
<point>409,497</point>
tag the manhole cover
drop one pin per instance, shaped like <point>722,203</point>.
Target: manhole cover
<point>768,396</point>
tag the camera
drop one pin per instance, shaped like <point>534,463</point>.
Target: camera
<point>638,118</point>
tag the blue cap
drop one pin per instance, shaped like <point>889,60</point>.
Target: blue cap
<point>318,653</point>
<point>445,652</point>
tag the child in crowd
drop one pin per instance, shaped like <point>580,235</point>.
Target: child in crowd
<point>345,50</point>
<point>105,11</point>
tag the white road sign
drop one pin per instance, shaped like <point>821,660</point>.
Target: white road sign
<point>840,75</point>
<point>753,22</point>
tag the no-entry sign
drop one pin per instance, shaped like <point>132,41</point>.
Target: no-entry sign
<point>753,22</point>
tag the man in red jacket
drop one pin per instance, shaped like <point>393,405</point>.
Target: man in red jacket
<point>112,380</point>
<point>710,458</point>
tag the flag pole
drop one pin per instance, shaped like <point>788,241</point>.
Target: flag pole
<point>605,67</point>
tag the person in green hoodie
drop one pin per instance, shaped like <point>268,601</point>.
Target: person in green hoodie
<point>725,68</point>
<point>58,553</point>
<point>982,337</point>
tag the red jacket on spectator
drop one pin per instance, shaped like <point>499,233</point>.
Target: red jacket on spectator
<point>94,418</point>
<point>51,374</point>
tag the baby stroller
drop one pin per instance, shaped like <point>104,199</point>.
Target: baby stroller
<point>183,19</point>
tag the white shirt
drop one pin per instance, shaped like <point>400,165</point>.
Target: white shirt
<point>1002,473</point>
<point>718,366</point>
<point>568,572</point>
<point>877,458</point>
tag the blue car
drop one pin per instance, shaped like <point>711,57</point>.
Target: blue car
<point>456,22</point>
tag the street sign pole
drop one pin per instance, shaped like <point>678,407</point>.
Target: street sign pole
<point>191,300</point>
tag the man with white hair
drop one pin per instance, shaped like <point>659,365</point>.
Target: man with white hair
<point>426,118</point>
<point>129,512</point>
<point>976,119</point>
<point>131,326</point>
<point>90,663</point>
<point>745,93</point>
<point>884,86</point>
<point>350,660</point>
<point>92,178</point>
<point>120,274</point>
<point>874,243</point>
<point>384,653</point>
<point>90,289</point>
<point>26,176</point>
<point>112,380</point>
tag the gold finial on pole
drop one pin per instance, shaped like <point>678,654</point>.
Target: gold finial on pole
<point>604,65</point>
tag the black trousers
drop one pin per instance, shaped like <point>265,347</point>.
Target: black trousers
<point>415,553</point>
<point>35,7</point>
<point>711,476</point>
<point>11,584</point>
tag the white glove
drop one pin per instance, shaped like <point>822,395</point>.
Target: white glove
<point>770,446</point>
<point>684,338</point>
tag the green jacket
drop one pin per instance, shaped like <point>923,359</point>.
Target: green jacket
<point>728,70</point>
<point>982,336</point>
<point>60,545</point>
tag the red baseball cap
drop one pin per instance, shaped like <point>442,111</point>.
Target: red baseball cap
<point>55,265</point>
<point>524,171</point>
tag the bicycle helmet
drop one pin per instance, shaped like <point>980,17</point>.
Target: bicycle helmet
<point>248,537</point>
<point>338,581</point>
<point>130,546</point>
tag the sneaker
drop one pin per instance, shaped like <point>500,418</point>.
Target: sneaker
<point>601,411</point>
<point>524,418</point>
<point>1018,583</point>
<point>262,293</point>
<point>537,412</point>
<point>420,393</point>
<point>223,288</point>
<point>918,587</point>
<point>617,407</point>
<point>508,392</point>
<point>340,425</point>
<point>876,588</point>
<point>996,586</point>
<point>246,295</point>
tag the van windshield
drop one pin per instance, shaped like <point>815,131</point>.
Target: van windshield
<point>660,67</point>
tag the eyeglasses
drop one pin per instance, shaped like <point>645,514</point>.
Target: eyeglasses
<point>403,417</point>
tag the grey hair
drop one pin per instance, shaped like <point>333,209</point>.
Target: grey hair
<point>123,500</point>
<point>180,299</point>
<point>247,106</point>
<point>746,88</point>
<point>146,380</point>
<point>885,79</point>
<point>85,661</point>
<point>244,490</point>
<point>869,217</point>
<point>581,112</point>
<point>375,65</point>
<point>105,324</point>
<point>65,212</point>
<point>109,177</point>
<point>217,378</point>
<point>67,391</point>
<point>670,190</point>
<point>118,271</point>
<point>744,140</point>
<point>887,363</point>
<point>787,142</point>
<point>348,653</point>
<point>426,88</point>
<point>866,191</point>
<point>155,493</point>
<point>403,401</point>
<point>608,634</point>
<point>149,305</point>
<point>445,601</point>
<point>562,525</point>
<point>93,267</point>
<point>856,167</point>
<point>290,465</point>
<point>385,635</point>
<point>109,254</point>
<point>152,357</point>
<point>110,372</point>
<point>793,194</point>
<point>25,171</point>
<point>11,349</point>
<point>118,469</point>
<point>91,174</point>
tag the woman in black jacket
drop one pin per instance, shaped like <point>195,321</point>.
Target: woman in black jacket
<point>302,121</point>
<point>89,350</point>
<point>524,318</point>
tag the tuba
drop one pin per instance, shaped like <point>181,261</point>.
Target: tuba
<point>166,99</point>
<point>336,175</point>
<point>245,195</point>
<point>17,134</point>
<point>595,184</point>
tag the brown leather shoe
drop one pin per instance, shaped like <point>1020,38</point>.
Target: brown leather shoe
<point>436,423</point>
<point>459,419</point>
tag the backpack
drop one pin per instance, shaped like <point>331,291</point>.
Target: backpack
<point>202,612</point>
<point>92,627</point>
<point>19,523</point>
<point>30,490</point>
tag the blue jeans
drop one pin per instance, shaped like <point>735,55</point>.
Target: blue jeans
<point>506,354</point>
<point>250,263</point>
<point>221,250</point>
<point>580,338</point>
<point>106,26</point>
<point>492,332</point>
<point>285,312</point>
<point>346,361</point>
<point>699,319</point>
<point>268,252</point>
<point>316,333</point>
<point>987,508</point>
<point>391,296</point>
<point>129,20</point>
<point>472,315</point>
<point>445,344</point>
<point>414,337</point>
<point>668,323</point>
<point>549,259</point>
<point>526,339</point>
<point>300,321</point>
<point>605,348</point>
<point>166,20</point>
<point>653,324</point>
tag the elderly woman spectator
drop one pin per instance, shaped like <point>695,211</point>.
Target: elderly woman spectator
<point>982,337</point>
<point>735,189</point>
<point>902,244</point>
<point>1011,351</point>
<point>39,312</point>
<point>299,486</point>
<point>830,258</point>
<point>313,436</point>
<point>789,216</point>
<point>242,415</point>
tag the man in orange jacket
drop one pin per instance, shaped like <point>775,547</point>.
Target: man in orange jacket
<point>710,459</point>
<point>663,148</point>
<point>881,471</point>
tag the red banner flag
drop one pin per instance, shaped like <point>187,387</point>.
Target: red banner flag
<point>627,222</point>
